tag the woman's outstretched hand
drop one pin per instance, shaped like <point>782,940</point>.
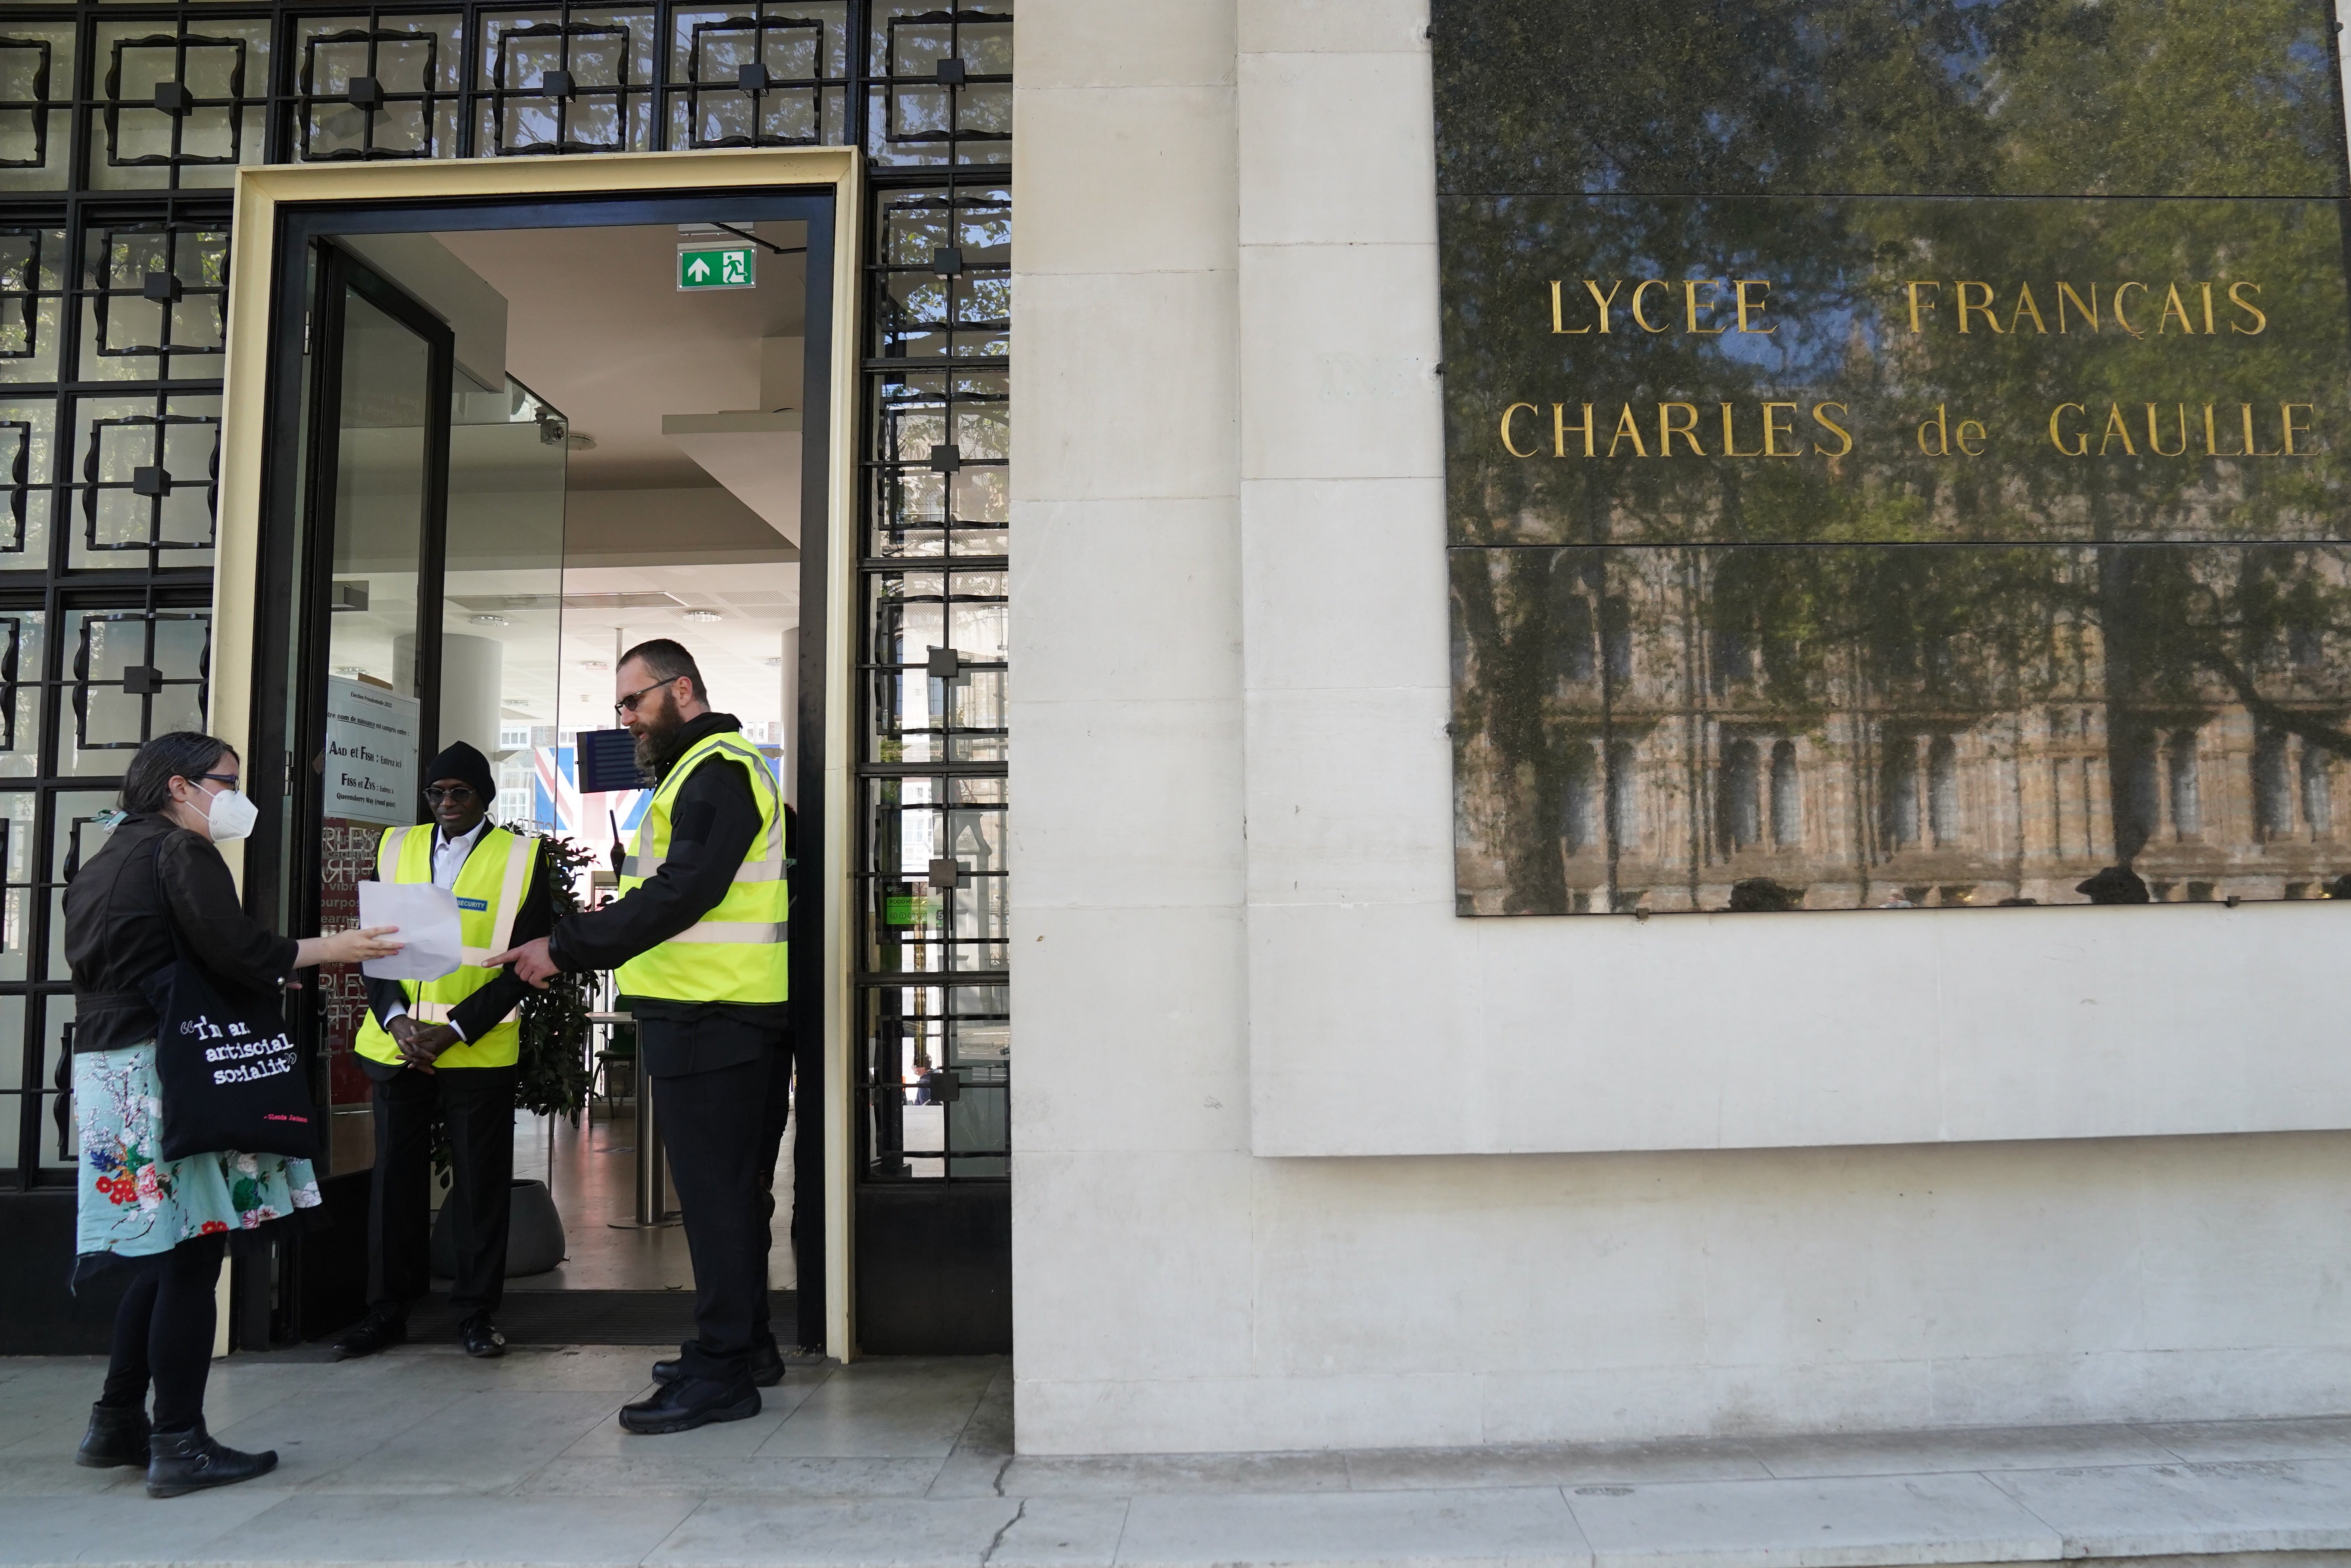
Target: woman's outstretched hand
<point>358,946</point>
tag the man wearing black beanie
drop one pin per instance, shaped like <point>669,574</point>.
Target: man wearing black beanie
<point>449,1048</point>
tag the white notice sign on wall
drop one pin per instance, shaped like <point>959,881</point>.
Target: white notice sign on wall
<point>370,753</point>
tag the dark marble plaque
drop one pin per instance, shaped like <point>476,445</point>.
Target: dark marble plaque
<point>1894,452</point>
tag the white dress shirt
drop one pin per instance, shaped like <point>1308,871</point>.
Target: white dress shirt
<point>448,860</point>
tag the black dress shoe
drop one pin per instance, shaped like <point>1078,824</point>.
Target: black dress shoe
<point>480,1336</point>
<point>371,1334</point>
<point>181,1463</point>
<point>688,1403</point>
<point>766,1368</point>
<point>117,1436</point>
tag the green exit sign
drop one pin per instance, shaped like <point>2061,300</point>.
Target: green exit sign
<point>715,268</point>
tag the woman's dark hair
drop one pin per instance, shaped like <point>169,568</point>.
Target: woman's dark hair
<point>182,753</point>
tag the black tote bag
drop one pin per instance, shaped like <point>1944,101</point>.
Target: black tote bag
<point>231,1079</point>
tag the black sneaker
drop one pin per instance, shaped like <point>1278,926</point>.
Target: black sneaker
<point>688,1403</point>
<point>480,1336</point>
<point>371,1334</point>
<point>182,1462</point>
<point>766,1366</point>
<point>115,1437</point>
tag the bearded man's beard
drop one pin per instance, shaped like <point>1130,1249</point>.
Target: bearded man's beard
<point>662,726</point>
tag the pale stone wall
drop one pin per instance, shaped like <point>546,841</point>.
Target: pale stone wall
<point>1232,834</point>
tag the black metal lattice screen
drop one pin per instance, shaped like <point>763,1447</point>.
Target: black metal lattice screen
<point>121,129</point>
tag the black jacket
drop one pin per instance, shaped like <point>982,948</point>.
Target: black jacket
<point>150,870</point>
<point>713,822</point>
<point>479,1013</point>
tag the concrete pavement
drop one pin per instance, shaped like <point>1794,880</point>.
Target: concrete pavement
<point>422,1457</point>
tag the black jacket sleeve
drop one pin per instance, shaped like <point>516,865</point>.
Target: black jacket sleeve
<point>219,933</point>
<point>479,1013</point>
<point>383,995</point>
<point>712,826</point>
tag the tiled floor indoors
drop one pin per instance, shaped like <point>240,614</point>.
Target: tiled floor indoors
<point>421,1456</point>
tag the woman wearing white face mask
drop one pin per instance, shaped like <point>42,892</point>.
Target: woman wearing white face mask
<point>169,1220</point>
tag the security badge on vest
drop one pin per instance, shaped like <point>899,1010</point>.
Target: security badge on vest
<point>739,951</point>
<point>491,887</point>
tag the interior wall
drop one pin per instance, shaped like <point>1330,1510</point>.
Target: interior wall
<point>1238,196</point>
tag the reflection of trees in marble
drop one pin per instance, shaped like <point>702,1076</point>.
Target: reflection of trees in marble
<point>1845,711</point>
<point>1644,727</point>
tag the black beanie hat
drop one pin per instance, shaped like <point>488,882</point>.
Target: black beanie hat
<point>463,762</point>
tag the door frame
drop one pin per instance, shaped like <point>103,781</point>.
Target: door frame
<point>271,204</point>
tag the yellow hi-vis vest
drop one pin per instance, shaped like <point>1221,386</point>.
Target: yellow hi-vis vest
<point>490,888</point>
<point>738,951</point>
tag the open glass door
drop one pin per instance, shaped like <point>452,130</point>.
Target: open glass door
<point>376,504</point>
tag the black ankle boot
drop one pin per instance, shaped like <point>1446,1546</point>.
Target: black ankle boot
<point>117,1436</point>
<point>189,1461</point>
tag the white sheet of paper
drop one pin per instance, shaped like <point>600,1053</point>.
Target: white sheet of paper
<point>427,917</point>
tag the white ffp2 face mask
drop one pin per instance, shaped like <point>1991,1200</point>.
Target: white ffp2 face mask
<point>230,815</point>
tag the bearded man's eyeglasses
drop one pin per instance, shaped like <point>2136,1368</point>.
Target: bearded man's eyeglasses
<point>628,704</point>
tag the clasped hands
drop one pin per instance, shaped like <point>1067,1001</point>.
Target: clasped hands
<point>420,1045</point>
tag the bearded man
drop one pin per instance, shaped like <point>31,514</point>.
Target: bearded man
<point>698,938</point>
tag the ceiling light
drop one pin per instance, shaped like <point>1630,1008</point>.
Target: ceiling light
<point>579,443</point>
<point>491,621</point>
<point>703,615</point>
<point>773,663</point>
<point>593,664</point>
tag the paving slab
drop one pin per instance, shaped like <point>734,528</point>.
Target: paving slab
<point>125,1526</point>
<point>1061,1533</point>
<point>1967,1448</point>
<point>728,1532</point>
<point>1139,1475</point>
<point>482,1442</point>
<point>325,1531</point>
<point>2151,1510</point>
<point>875,1411</point>
<point>2216,1441</point>
<point>1551,1464</point>
<point>1497,1527</point>
<point>1849,1522</point>
<point>665,1469</point>
<point>317,1439</point>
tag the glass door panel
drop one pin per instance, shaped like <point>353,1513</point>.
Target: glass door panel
<point>378,465</point>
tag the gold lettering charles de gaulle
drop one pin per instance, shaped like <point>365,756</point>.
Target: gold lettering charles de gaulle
<point>1750,430</point>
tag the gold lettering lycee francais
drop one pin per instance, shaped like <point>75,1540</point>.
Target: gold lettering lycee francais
<point>1749,298</point>
<point>2187,308</point>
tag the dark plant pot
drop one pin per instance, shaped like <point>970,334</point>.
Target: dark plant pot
<point>534,1234</point>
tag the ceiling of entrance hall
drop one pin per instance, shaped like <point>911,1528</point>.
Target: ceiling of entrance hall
<point>597,324</point>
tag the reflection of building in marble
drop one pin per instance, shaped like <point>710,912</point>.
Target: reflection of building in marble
<point>1663,757</point>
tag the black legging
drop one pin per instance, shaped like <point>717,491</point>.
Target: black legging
<point>163,1331</point>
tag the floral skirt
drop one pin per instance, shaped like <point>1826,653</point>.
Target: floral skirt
<point>134,1202</point>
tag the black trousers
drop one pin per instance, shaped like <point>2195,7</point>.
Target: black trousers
<point>164,1333</point>
<point>476,1105</point>
<point>712,1122</point>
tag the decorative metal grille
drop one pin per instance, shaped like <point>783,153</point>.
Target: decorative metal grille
<point>113,280</point>
<point>24,101</point>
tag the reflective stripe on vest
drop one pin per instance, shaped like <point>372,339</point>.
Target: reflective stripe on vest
<point>496,875</point>
<point>738,951</point>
